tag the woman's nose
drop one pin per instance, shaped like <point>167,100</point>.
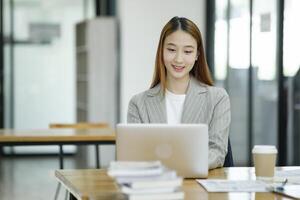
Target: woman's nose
<point>178,58</point>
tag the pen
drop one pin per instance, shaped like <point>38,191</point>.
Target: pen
<point>281,187</point>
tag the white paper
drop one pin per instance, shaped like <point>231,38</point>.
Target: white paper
<point>134,165</point>
<point>292,176</point>
<point>166,175</point>
<point>220,185</point>
<point>135,173</point>
<point>135,168</point>
<point>285,173</point>
<point>289,190</point>
<point>163,196</point>
<point>128,190</point>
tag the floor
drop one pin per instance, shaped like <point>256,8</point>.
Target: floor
<point>31,177</point>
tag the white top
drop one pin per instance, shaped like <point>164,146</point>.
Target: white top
<point>174,107</point>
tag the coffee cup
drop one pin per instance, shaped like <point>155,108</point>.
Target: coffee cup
<point>264,157</point>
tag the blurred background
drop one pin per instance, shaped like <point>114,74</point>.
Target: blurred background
<point>82,60</point>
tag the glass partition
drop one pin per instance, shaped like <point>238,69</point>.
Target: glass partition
<point>40,60</point>
<point>291,69</point>
<point>237,77</point>
<point>265,81</point>
<point>247,63</point>
<point>221,42</point>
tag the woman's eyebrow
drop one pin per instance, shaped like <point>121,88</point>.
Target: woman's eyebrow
<point>189,46</point>
<point>171,44</point>
<point>186,46</point>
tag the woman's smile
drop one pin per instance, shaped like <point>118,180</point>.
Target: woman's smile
<point>178,68</point>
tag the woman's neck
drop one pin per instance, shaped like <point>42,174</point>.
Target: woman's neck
<point>178,86</point>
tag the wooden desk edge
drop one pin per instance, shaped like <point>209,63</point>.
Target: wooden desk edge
<point>57,138</point>
<point>69,186</point>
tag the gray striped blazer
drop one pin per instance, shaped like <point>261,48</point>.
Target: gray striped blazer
<point>203,104</point>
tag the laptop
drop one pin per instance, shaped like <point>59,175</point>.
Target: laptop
<point>181,147</point>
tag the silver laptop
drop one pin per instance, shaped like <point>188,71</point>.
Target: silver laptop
<point>182,147</point>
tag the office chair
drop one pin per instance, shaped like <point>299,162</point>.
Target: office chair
<point>229,158</point>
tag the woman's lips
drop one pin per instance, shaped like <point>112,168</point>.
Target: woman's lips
<point>178,68</point>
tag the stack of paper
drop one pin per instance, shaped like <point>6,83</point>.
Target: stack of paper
<point>146,180</point>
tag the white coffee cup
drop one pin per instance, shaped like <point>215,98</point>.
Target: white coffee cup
<point>264,157</point>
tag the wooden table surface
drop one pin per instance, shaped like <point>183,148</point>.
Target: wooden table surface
<point>56,135</point>
<point>95,136</point>
<point>94,184</point>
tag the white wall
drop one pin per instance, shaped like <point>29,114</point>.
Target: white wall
<point>141,22</point>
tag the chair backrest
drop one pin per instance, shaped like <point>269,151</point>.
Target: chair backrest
<point>80,125</point>
<point>229,158</point>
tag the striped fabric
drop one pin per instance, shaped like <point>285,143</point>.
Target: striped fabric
<point>203,104</point>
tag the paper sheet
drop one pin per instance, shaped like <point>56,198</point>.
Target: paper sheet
<point>292,172</point>
<point>289,190</point>
<point>220,185</point>
<point>293,176</point>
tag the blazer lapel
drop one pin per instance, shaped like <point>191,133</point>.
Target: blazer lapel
<point>155,104</point>
<point>194,102</point>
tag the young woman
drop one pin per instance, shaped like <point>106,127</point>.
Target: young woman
<point>182,90</point>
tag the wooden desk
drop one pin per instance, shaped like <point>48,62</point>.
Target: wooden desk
<point>12,137</point>
<point>96,185</point>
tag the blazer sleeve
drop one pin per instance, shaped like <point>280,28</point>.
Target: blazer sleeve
<point>133,113</point>
<point>219,130</point>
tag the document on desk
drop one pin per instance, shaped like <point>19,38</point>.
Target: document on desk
<point>288,190</point>
<point>292,176</point>
<point>220,185</point>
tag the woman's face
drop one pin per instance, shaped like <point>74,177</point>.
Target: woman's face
<point>179,54</point>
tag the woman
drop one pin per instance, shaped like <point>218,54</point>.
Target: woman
<point>182,89</point>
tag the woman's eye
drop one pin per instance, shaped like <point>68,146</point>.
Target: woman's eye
<point>188,52</point>
<point>171,50</point>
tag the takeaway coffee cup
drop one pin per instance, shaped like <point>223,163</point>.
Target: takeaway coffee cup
<point>264,157</point>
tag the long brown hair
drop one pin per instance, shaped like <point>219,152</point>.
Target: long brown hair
<point>200,69</point>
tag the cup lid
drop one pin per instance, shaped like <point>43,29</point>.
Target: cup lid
<point>264,149</point>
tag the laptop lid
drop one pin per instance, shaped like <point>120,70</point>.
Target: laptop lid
<point>182,147</point>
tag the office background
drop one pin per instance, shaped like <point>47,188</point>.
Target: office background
<point>252,48</point>
<point>244,39</point>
